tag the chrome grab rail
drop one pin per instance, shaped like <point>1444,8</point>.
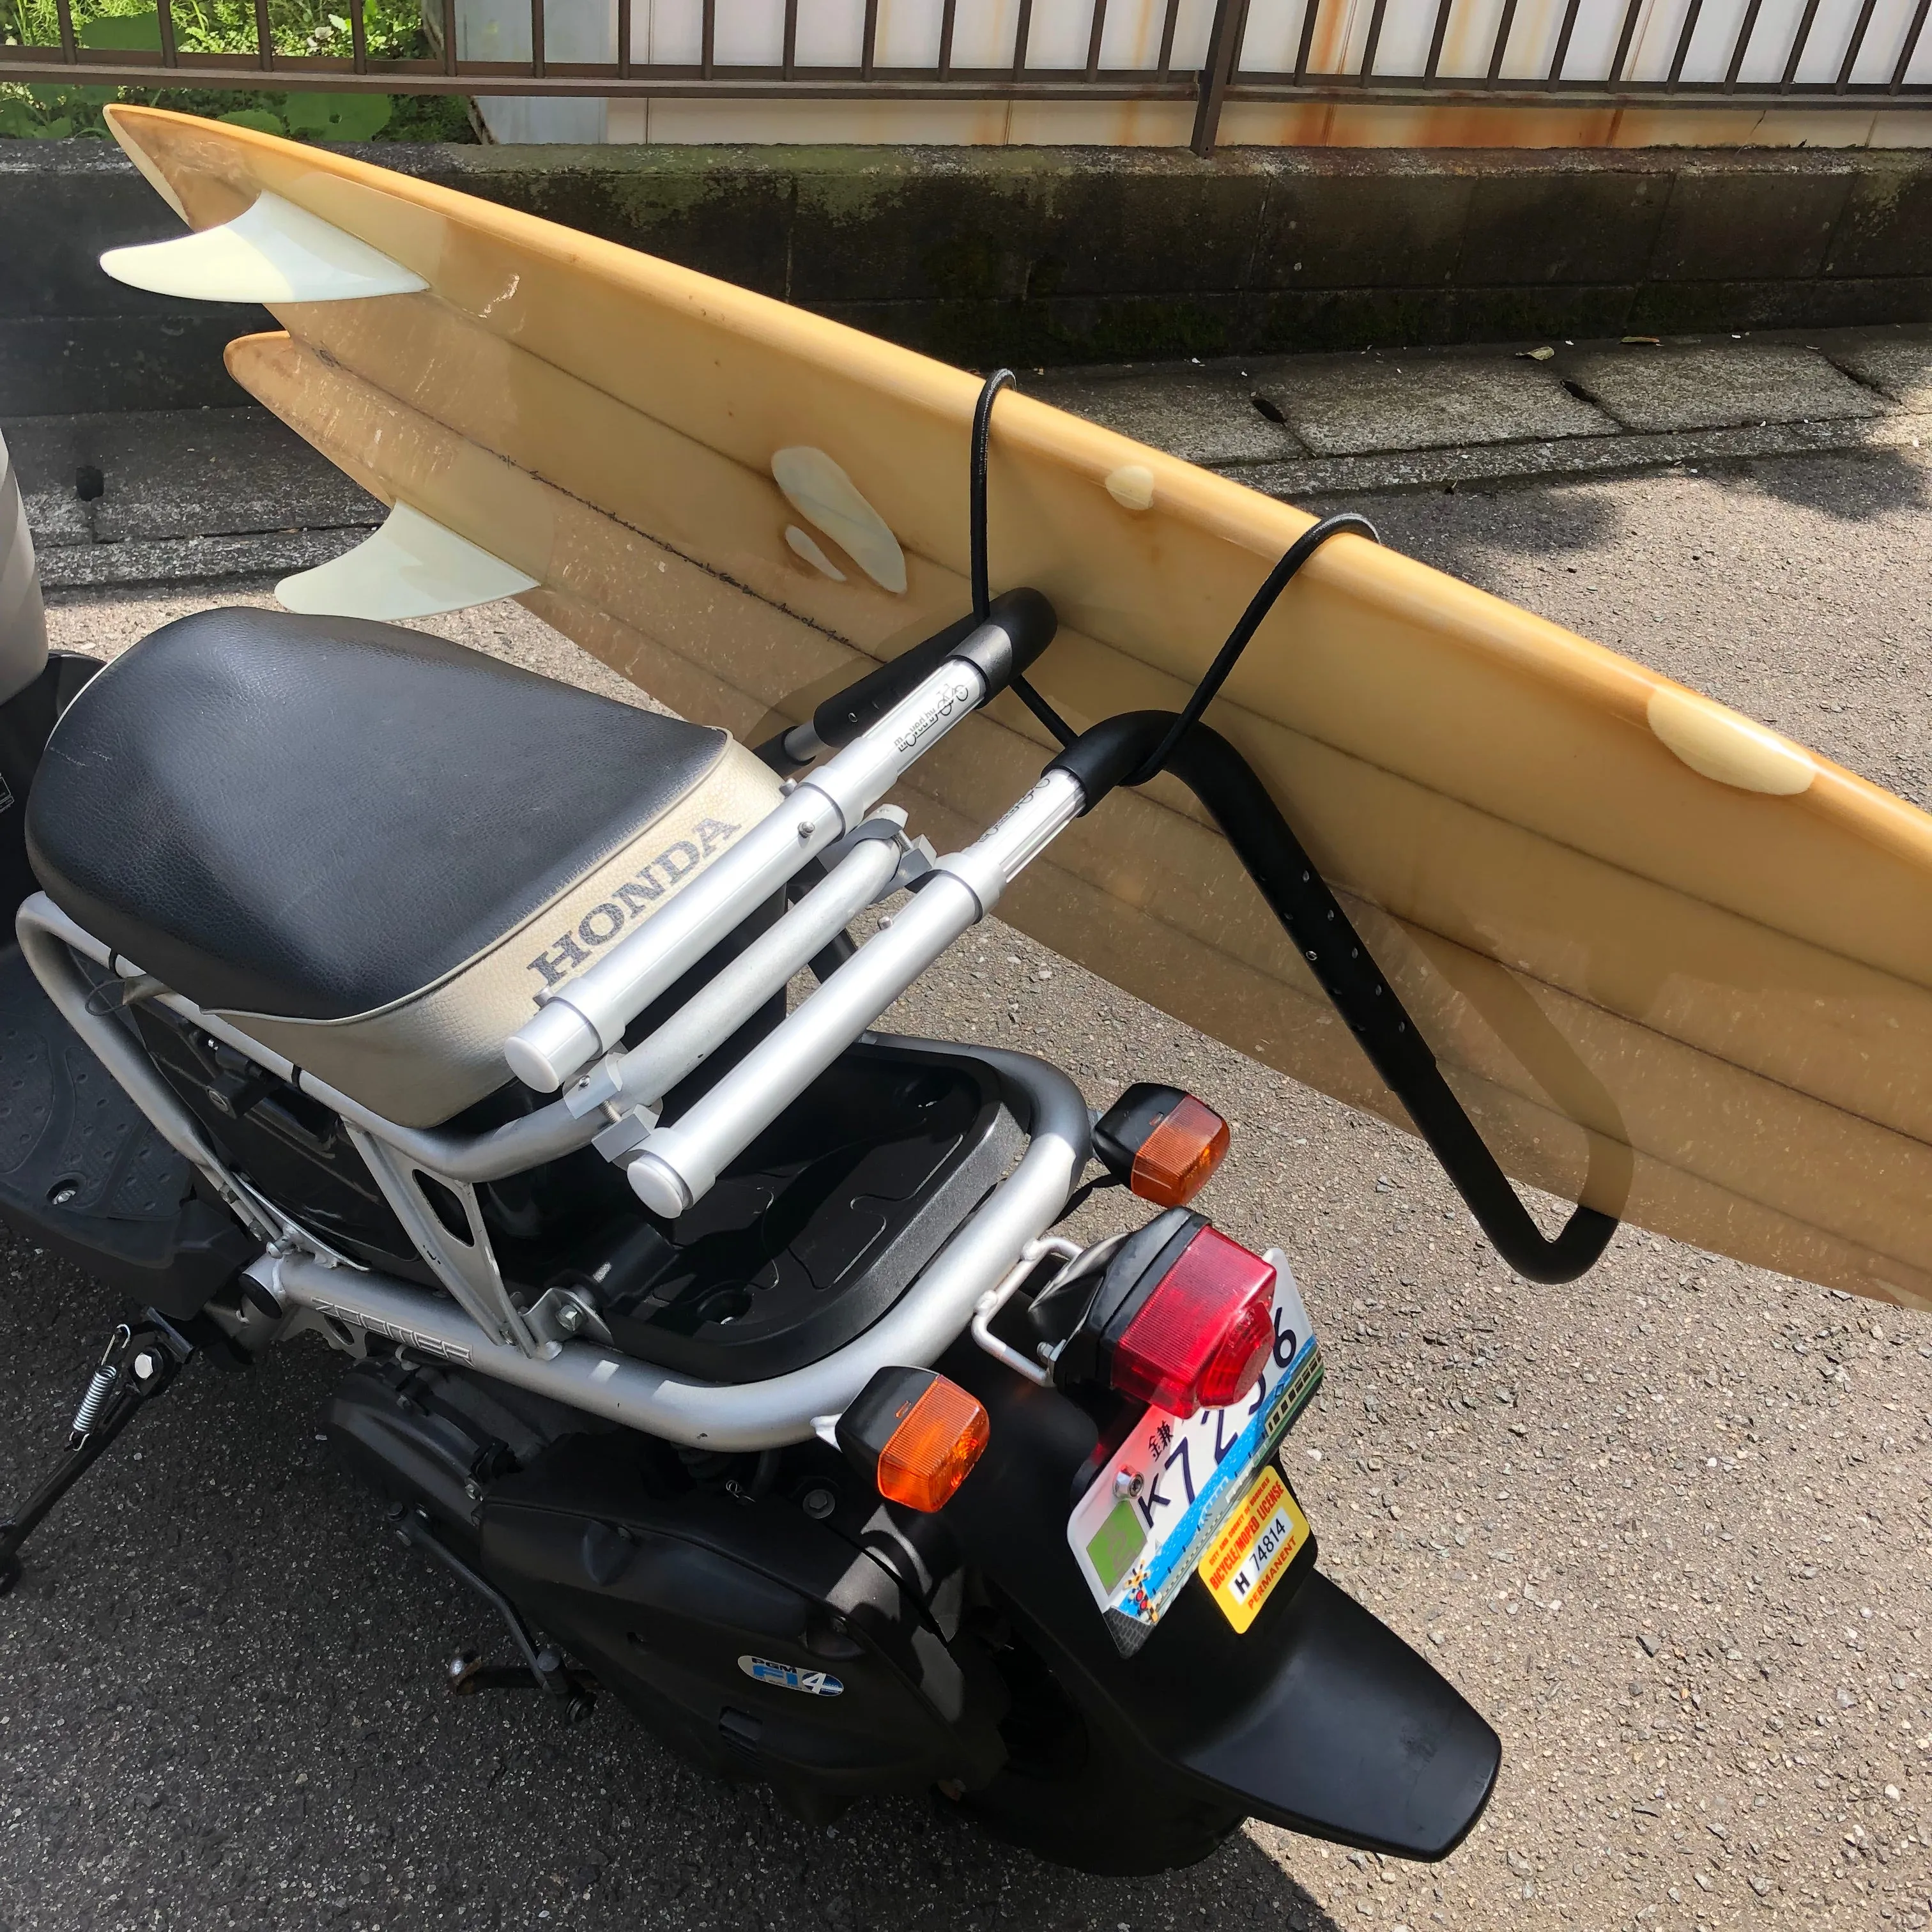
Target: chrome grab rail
<point>919,1328</point>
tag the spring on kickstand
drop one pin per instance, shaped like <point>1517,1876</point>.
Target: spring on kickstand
<point>100,1387</point>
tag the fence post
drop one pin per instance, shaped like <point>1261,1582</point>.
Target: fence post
<point>1224,43</point>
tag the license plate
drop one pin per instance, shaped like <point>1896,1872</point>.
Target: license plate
<point>1256,1547</point>
<point>1143,1525</point>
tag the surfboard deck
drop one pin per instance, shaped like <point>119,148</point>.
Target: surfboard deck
<point>1674,964</point>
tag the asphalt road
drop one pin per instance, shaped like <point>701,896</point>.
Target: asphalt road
<point>1669,1529</point>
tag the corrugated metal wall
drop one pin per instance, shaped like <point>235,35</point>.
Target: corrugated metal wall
<point>1426,45</point>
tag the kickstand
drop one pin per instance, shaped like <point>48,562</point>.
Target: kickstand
<point>543,1667</point>
<point>141,1359</point>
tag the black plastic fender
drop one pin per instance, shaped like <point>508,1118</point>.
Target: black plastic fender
<point>1318,1718</point>
<point>87,1176</point>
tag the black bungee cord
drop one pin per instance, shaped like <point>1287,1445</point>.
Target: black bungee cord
<point>982,591</point>
<point>1204,693</point>
<point>1286,876</point>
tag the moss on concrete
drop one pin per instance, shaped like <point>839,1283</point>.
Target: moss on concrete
<point>1033,256</point>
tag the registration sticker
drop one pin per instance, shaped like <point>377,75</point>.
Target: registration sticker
<point>1144,1523</point>
<point>1256,1547</point>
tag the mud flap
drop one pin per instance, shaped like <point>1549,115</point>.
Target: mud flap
<point>1357,1739</point>
<point>83,1172</point>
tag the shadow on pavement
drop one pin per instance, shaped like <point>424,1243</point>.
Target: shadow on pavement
<point>1855,487</point>
<point>1463,531</point>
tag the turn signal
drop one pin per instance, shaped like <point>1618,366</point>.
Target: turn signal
<point>1203,1333</point>
<point>1163,1143</point>
<point>915,1434</point>
<point>1176,1160</point>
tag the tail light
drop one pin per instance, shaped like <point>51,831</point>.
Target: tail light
<point>915,1434</point>
<point>1203,1332</point>
<point>1163,1143</point>
<point>1183,1318</point>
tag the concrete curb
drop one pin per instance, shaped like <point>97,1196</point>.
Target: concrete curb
<point>1577,456</point>
<point>1318,426</point>
<point>131,500</point>
<point>154,563</point>
<point>1043,256</point>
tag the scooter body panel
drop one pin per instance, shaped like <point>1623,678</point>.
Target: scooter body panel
<point>23,627</point>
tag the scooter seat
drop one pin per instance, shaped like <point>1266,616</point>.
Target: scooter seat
<point>372,849</point>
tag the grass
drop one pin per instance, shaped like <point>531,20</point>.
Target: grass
<point>394,28</point>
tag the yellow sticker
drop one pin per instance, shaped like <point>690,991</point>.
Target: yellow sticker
<point>1256,1545</point>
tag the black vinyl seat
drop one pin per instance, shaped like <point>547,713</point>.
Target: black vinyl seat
<point>318,818</point>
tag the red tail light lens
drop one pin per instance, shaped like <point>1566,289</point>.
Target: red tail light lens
<point>1201,1337</point>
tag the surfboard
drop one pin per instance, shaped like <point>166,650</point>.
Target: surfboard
<point>1674,964</point>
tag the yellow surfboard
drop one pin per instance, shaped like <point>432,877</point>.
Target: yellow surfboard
<point>1674,964</point>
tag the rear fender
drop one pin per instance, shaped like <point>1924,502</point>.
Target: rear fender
<point>91,1179</point>
<point>1318,1718</point>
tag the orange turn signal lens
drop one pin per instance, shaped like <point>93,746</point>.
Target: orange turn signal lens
<point>1175,1160</point>
<point>933,1450</point>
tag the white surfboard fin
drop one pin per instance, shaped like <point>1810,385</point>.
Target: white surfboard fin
<point>273,252</point>
<point>411,567</point>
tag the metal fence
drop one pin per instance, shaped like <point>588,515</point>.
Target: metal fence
<point>1818,54</point>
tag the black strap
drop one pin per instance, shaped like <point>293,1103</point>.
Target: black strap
<point>1346,970</point>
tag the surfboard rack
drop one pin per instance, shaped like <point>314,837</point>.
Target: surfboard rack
<point>1117,749</point>
<point>1027,617</point>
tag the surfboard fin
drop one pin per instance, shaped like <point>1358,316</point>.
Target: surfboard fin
<point>273,252</point>
<point>411,567</point>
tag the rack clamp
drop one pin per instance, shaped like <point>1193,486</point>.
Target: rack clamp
<point>888,824</point>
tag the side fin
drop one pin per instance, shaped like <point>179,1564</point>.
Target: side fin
<point>410,567</point>
<point>272,252</point>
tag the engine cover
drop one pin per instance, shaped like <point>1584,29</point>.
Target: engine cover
<point>764,1643</point>
<point>755,1640</point>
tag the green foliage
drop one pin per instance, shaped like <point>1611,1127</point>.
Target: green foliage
<point>52,113</point>
<point>337,117</point>
<point>393,29</point>
<point>35,113</point>
<point>429,117</point>
<point>124,30</point>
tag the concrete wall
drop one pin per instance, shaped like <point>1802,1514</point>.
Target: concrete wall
<point>1039,256</point>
